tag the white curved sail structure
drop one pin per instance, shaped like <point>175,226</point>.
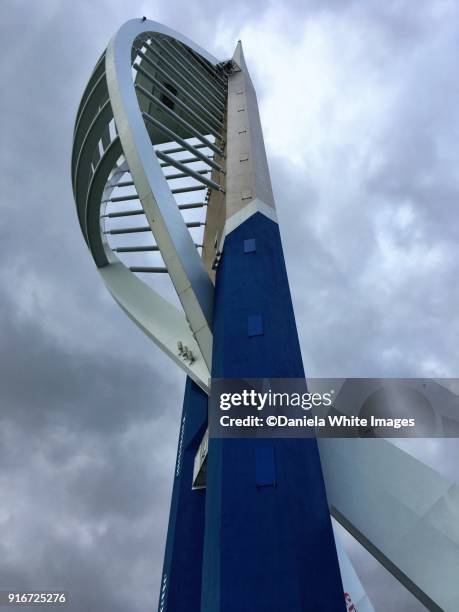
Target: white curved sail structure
<point>141,116</point>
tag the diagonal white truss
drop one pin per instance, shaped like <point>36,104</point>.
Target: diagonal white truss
<point>405,513</point>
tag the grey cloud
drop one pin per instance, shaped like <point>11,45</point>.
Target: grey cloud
<point>89,408</point>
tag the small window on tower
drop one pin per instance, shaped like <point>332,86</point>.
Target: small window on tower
<point>165,99</point>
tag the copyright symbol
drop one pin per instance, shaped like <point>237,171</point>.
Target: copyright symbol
<point>271,421</point>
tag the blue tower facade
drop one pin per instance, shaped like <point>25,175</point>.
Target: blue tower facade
<point>269,544</point>
<point>264,534</point>
<point>182,569</point>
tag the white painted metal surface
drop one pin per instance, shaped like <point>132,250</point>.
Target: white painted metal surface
<point>190,279</point>
<point>355,595</point>
<point>248,184</point>
<point>401,510</point>
<point>100,158</point>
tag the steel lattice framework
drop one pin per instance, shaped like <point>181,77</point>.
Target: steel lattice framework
<point>138,100</point>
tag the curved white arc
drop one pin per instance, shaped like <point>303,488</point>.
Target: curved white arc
<point>134,27</point>
<point>156,317</point>
<point>185,267</point>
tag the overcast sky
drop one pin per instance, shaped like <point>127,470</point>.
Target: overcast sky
<point>360,107</point>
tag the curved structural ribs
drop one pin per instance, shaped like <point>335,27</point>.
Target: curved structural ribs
<point>155,103</point>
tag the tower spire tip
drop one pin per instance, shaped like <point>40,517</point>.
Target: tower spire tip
<point>238,55</point>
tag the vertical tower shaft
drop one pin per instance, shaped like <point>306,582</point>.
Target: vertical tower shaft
<point>182,570</point>
<point>268,544</point>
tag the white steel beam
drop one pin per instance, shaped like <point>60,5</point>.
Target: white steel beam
<point>402,511</point>
<point>189,277</point>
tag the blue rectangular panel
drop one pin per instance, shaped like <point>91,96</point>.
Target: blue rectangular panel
<point>255,325</point>
<point>265,467</point>
<point>250,246</point>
